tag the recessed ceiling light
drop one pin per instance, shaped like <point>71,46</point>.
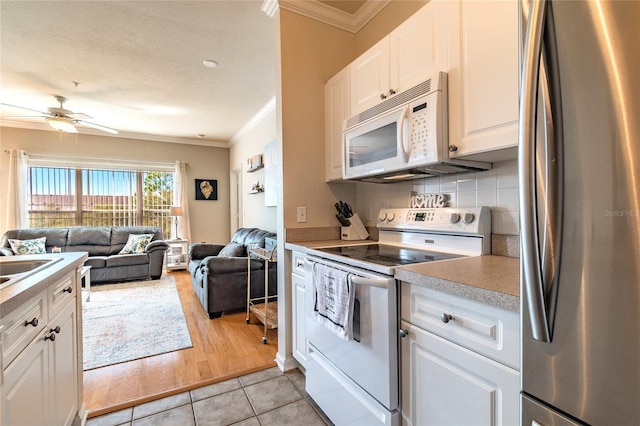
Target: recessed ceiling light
<point>210,63</point>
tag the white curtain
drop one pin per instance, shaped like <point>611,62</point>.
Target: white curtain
<point>17,194</point>
<point>180,199</point>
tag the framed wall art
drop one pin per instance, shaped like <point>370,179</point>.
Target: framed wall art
<point>206,189</point>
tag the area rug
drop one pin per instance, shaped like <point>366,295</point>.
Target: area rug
<point>128,321</point>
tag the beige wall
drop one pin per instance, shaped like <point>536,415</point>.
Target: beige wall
<point>209,219</point>
<point>255,213</point>
<point>310,53</point>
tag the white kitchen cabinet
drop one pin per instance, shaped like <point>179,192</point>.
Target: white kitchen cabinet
<point>41,382</point>
<point>409,55</point>
<point>63,364</point>
<point>299,334</point>
<point>369,77</point>
<point>459,360</point>
<point>336,110</point>
<point>483,79</point>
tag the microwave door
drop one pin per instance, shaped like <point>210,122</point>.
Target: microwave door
<point>378,145</point>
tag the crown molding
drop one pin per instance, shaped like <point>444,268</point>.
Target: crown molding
<point>332,16</point>
<point>270,7</point>
<point>255,120</point>
<point>139,136</point>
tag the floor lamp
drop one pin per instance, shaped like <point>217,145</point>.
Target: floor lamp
<point>176,211</point>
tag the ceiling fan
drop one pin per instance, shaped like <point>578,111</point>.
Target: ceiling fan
<point>64,120</point>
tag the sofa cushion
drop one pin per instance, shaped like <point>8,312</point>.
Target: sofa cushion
<point>95,240</point>
<point>233,250</point>
<point>35,246</point>
<point>127,260</point>
<point>56,237</point>
<point>136,243</point>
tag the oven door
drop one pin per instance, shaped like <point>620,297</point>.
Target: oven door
<point>362,371</point>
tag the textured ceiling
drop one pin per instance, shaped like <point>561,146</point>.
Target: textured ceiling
<point>139,63</point>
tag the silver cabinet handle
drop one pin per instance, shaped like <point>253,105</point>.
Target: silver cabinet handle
<point>445,318</point>
<point>403,333</point>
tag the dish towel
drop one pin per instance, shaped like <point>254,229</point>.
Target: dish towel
<point>333,300</point>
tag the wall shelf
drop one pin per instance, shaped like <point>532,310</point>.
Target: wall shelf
<point>256,191</point>
<point>253,169</point>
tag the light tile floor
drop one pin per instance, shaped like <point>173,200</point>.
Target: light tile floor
<point>264,398</point>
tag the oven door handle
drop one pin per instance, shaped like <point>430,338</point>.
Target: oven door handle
<point>369,281</point>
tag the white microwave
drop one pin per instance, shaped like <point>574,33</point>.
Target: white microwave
<point>402,138</point>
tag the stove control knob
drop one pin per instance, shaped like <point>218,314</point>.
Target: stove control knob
<point>382,217</point>
<point>468,218</point>
<point>455,218</point>
<point>391,217</point>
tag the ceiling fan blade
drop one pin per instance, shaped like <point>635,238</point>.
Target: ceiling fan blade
<point>95,126</point>
<point>28,109</point>
<point>74,114</point>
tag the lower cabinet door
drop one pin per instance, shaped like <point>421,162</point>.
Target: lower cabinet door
<point>64,366</point>
<point>299,331</point>
<point>25,391</point>
<point>446,384</point>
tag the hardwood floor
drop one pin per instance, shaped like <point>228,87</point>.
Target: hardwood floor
<point>223,348</point>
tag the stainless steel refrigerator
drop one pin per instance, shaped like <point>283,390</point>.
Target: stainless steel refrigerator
<point>579,168</point>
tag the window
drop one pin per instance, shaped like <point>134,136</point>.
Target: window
<point>64,196</point>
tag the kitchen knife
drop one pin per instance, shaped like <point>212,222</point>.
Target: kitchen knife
<point>342,220</point>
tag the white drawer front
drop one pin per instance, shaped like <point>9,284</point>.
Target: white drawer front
<point>63,291</point>
<point>297,263</point>
<point>485,329</point>
<point>21,326</point>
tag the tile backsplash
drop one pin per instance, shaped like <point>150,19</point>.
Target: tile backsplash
<point>496,188</point>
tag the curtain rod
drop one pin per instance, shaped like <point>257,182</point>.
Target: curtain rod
<point>96,159</point>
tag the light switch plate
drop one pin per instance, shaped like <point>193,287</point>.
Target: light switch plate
<point>301,214</point>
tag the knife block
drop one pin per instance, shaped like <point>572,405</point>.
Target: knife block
<point>354,232</point>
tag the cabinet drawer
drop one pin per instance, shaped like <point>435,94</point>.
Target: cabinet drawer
<point>61,292</point>
<point>21,326</point>
<point>485,329</point>
<point>297,263</point>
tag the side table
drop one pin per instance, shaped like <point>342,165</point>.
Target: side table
<point>176,256</point>
<point>85,279</point>
<point>266,311</point>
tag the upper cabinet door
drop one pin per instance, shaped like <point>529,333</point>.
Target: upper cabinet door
<point>483,79</point>
<point>336,110</point>
<point>369,75</point>
<point>418,47</point>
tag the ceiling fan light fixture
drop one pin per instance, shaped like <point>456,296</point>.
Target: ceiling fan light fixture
<point>62,124</point>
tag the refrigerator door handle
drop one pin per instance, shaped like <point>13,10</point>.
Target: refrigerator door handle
<point>531,264</point>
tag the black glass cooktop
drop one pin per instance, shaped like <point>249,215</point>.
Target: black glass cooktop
<point>387,255</point>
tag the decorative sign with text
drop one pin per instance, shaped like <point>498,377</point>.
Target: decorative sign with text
<point>429,201</point>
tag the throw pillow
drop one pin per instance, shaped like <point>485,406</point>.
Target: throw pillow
<point>232,250</point>
<point>35,246</point>
<point>136,243</point>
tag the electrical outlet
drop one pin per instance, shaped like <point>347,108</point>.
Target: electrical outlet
<point>302,214</point>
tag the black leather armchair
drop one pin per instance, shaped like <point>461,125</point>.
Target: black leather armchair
<point>219,272</point>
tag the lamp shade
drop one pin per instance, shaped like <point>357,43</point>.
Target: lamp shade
<point>175,211</point>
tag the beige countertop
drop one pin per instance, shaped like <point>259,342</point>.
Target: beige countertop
<point>14,295</point>
<point>494,280</point>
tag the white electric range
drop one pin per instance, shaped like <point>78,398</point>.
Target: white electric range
<point>356,381</point>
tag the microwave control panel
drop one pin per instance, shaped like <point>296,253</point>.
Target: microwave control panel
<point>423,128</point>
